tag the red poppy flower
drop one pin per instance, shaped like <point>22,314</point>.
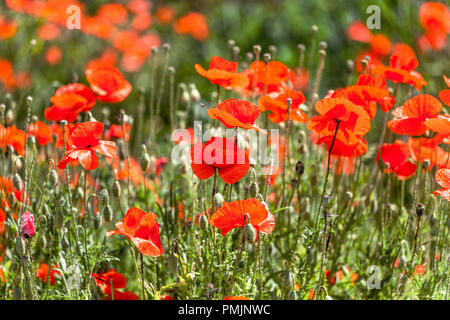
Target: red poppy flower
<point>277,103</point>
<point>411,117</point>
<point>41,131</point>
<point>403,58</point>
<point>53,55</point>
<point>380,44</point>
<point>232,215</point>
<point>164,14</point>
<point>344,149</point>
<point>105,280</point>
<point>359,32</point>
<point>11,136</point>
<point>443,179</point>
<point>193,23</point>
<point>237,113</point>
<point>83,141</point>
<point>441,125</point>
<point>142,229</point>
<point>69,101</point>
<point>435,18</point>
<point>113,12</point>
<point>266,78</point>
<point>115,131</point>
<point>396,156</point>
<point>231,162</point>
<point>426,149</point>
<point>48,31</point>
<point>354,122</point>
<point>108,83</point>
<point>42,273</point>
<point>444,95</point>
<point>222,72</point>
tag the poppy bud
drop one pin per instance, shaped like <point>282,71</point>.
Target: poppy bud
<point>28,228</point>
<point>249,56</point>
<point>420,209</point>
<point>426,164</point>
<point>350,65</point>
<point>299,168</point>
<point>267,57</point>
<point>292,295</point>
<point>104,195</point>
<point>260,197</point>
<point>30,98</point>
<point>2,108</point>
<point>257,51</point>
<point>204,222</point>
<point>116,189</point>
<point>53,178</point>
<point>301,48</point>
<point>59,220</point>
<point>313,175</point>
<point>19,245</point>
<point>249,233</point>
<point>254,189</point>
<point>17,182</point>
<point>11,199</point>
<point>252,174</point>
<point>9,116</point>
<point>193,92</point>
<point>314,29</point>
<point>43,240</point>
<point>323,45</point>
<point>107,213</point>
<point>348,196</point>
<point>145,162</point>
<point>218,199</point>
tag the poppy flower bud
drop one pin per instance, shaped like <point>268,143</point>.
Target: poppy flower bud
<point>420,209</point>
<point>116,189</point>
<point>28,228</point>
<point>43,240</point>
<point>254,189</point>
<point>204,222</point>
<point>17,182</point>
<point>313,175</point>
<point>426,164</point>
<point>236,51</point>
<point>267,57</point>
<point>252,174</point>
<point>59,220</point>
<point>257,51</point>
<point>260,197</point>
<point>2,108</point>
<point>193,92</point>
<point>299,168</point>
<point>323,45</point>
<point>218,199</point>
<point>53,178</point>
<point>314,29</point>
<point>350,65</point>
<point>104,195</point>
<point>30,98</point>
<point>145,162</point>
<point>107,213</point>
<point>292,295</point>
<point>348,196</point>
<point>249,233</point>
<point>249,56</point>
<point>19,245</point>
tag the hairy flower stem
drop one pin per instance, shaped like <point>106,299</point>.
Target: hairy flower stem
<point>285,156</point>
<point>261,285</point>
<point>328,172</point>
<point>141,256</point>
<point>236,263</point>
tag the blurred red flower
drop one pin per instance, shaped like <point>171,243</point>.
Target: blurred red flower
<point>222,72</point>
<point>108,83</point>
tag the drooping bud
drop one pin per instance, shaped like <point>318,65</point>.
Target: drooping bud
<point>17,182</point>
<point>28,228</point>
<point>194,93</point>
<point>254,189</point>
<point>53,178</point>
<point>104,196</point>
<point>299,168</point>
<point>107,213</point>
<point>249,230</point>
<point>145,161</point>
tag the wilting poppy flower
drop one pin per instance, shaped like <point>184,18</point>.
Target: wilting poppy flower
<point>43,271</point>
<point>277,103</point>
<point>193,23</point>
<point>353,121</point>
<point>234,113</point>
<point>222,72</point>
<point>11,136</point>
<point>108,83</point>
<point>41,131</point>
<point>411,117</point>
<point>396,156</point>
<point>426,149</point>
<point>28,228</point>
<point>444,95</point>
<point>142,229</point>
<point>443,179</point>
<point>221,154</point>
<point>232,215</point>
<point>69,101</point>
<point>82,143</point>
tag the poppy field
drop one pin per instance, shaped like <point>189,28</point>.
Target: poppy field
<point>224,150</point>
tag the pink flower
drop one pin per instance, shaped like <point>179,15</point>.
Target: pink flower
<point>28,228</point>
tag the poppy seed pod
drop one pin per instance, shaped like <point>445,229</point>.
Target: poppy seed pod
<point>299,168</point>
<point>116,191</point>
<point>204,222</point>
<point>53,178</point>
<point>420,209</point>
<point>17,182</point>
